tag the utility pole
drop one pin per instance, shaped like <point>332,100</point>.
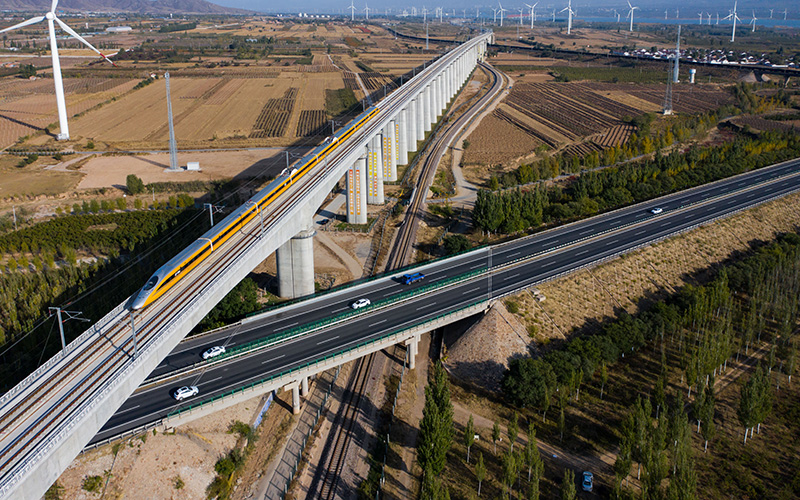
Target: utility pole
<point>69,314</point>
<point>210,208</point>
<point>173,146</point>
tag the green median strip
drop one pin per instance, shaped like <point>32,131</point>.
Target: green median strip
<point>317,361</point>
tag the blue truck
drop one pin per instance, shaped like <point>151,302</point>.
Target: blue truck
<point>408,279</point>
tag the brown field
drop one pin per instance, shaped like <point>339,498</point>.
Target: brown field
<point>587,114</point>
<point>28,106</point>
<point>579,38</point>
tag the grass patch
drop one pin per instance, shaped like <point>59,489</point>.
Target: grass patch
<point>337,101</point>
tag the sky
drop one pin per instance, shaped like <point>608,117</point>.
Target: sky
<point>328,6</point>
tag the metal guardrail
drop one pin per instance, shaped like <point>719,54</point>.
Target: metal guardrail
<point>279,338</point>
<point>321,360</point>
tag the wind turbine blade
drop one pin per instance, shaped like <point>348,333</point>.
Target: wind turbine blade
<point>562,10</point>
<point>30,21</point>
<point>53,6</point>
<point>629,5</point>
<point>74,34</point>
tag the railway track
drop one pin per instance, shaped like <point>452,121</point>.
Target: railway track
<point>403,251</point>
<point>344,423</point>
<point>336,446</point>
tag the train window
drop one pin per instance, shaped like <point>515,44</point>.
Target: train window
<point>151,284</point>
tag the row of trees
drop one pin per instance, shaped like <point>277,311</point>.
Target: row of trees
<point>644,141</point>
<point>662,447</point>
<point>136,244</point>
<point>601,190</point>
<point>706,325</point>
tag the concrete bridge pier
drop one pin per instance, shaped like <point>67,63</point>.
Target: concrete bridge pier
<point>375,171</point>
<point>390,151</point>
<point>430,108</point>
<point>419,101</point>
<point>412,345</point>
<point>357,192</point>
<point>402,136</point>
<point>295,388</point>
<point>296,265</point>
<point>304,387</point>
<point>411,136</point>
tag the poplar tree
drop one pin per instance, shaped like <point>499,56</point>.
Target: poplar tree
<point>480,471</point>
<point>469,435</point>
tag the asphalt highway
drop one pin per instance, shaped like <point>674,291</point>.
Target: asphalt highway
<point>550,253</point>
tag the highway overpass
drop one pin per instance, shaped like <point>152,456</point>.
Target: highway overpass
<point>454,288</point>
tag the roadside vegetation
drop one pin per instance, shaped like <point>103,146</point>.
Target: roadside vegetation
<point>667,394</point>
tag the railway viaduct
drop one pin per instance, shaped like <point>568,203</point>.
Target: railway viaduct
<point>48,418</point>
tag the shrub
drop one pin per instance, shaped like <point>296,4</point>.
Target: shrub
<point>92,483</point>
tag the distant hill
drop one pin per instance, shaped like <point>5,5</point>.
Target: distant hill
<point>137,6</point>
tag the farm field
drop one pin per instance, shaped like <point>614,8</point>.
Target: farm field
<point>27,106</point>
<point>557,114</point>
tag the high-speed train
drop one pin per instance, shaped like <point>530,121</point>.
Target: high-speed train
<point>171,273</point>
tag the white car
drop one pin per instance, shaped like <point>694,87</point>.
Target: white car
<point>184,392</point>
<point>656,211</point>
<point>360,303</point>
<point>213,352</point>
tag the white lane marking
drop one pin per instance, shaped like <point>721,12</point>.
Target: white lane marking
<point>752,194</point>
<point>640,232</point>
<point>513,254</point>
<point>665,224</point>
<point>127,410</point>
<point>378,323</point>
<point>273,359</point>
<point>479,265</point>
<point>510,277</point>
<point>585,232</point>
<point>611,242</point>
<point>285,327</point>
<point>327,340</point>
<point>209,381</point>
<point>421,307</point>
<point>470,291</point>
<point>581,253</point>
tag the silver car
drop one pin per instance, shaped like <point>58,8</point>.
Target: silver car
<point>360,303</point>
<point>187,391</point>
<point>213,351</point>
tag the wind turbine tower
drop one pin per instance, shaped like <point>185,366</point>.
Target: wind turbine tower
<point>51,18</point>
<point>675,72</point>
<point>630,13</point>
<point>173,145</point>
<point>502,10</point>
<point>753,22</point>
<point>533,12</point>
<point>570,12</point>
<point>733,17</point>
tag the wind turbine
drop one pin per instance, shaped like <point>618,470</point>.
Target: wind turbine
<point>352,11</point>
<point>701,17</point>
<point>495,14</point>
<point>709,18</point>
<point>502,10</point>
<point>753,21</point>
<point>617,14</point>
<point>569,10</point>
<point>665,13</point>
<point>733,17</point>
<point>554,15</point>
<point>677,14</point>
<point>366,10</point>
<point>50,16</point>
<point>424,15</point>
<point>630,13</point>
<point>477,12</point>
<point>533,12</point>
<point>784,13</point>
<point>521,15</point>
